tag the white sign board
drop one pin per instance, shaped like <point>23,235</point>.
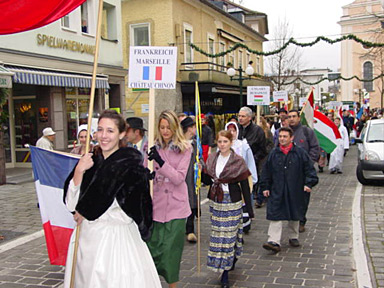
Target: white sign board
<point>345,107</point>
<point>302,101</point>
<point>152,67</point>
<point>258,95</point>
<point>334,104</point>
<point>280,96</point>
<point>144,108</point>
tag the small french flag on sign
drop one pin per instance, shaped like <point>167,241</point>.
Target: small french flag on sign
<point>158,72</point>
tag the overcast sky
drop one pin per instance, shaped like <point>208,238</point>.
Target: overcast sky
<point>307,18</point>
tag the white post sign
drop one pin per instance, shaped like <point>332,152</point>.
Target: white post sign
<point>152,67</point>
<point>302,101</point>
<point>258,95</point>
<point>280,96</point>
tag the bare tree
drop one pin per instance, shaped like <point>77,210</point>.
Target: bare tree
<point>286,63</point>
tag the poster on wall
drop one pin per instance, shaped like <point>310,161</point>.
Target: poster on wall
<point>258,95</point>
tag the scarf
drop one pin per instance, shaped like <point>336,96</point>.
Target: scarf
<point>234,171</point>
<point>286,149</point>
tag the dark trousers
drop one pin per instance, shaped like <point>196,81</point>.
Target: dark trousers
<point>190,226</point>
<point>307,197</point>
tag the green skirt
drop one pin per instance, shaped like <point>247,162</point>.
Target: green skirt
<point>166,247</point>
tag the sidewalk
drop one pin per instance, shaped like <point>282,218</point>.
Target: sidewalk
<point>325,258</point>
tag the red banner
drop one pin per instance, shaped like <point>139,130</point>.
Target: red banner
<point>22,15</point>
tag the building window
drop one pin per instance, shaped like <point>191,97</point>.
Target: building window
<point>231,60</point>
<point>140,34</point>
<point>84,17</point>
<point>222,58</point>
<point>188,39</point>
<point>109,25</point>
<point>368,74</point>
<point>211,50</point>
<point>65,21</point>
<point>240,60</point>
<point>258,66</point>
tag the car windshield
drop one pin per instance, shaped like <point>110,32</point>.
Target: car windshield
<point>376,133</point>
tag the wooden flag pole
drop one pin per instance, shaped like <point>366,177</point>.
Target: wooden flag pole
<point>90,112</point>
<point>151,130</point>
<point>258,115</point>
<point>198,127</point>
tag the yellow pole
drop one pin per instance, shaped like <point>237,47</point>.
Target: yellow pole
<point>258,115</point>
<point>90,112</point>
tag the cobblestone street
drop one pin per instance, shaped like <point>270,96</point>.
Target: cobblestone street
<point>325,258</point>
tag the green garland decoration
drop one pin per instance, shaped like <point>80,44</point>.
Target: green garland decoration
<point>290,41</point>
<point>326,78</point>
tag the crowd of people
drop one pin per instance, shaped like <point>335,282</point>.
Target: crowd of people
<point>130,237</point>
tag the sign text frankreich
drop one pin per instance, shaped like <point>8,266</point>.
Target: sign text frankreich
<point>152,67</point>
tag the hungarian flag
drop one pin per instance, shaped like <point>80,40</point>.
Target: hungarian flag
<point>50,170</point>
<point>22,15</point>
<point>326,131</point>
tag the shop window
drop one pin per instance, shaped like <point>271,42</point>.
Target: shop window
<point>140,34</point>
<point>368,74</point>
<point>77,106</point>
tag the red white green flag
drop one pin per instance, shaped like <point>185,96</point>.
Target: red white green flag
<point>326,131</point>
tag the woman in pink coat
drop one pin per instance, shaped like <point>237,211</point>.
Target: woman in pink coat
<point>172,154</point>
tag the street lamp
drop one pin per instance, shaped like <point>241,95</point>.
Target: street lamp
<point>231,72</point>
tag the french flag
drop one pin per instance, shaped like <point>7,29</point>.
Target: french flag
<point>147,70</point>
<point>51,169</point>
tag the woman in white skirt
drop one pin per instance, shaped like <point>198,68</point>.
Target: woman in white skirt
<point>108,191</point>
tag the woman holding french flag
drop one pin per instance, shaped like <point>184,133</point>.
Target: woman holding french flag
<point>108,192</point>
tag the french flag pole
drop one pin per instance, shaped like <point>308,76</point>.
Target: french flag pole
<point>90,112</point>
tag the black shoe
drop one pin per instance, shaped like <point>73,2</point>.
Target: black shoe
<point>301,228</point>
<point>224,280</point>
<point>272,246</point>
<point>333,171</point>
<point>321,170</point>
<point>225,285</point>
<point>294,242</point>
<point>339,172</point>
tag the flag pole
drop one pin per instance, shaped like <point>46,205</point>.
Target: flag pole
<point>151,130</point>
<point>90,112</point>
<point>198,177</point>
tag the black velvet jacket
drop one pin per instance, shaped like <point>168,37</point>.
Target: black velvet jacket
<point>121,176</point>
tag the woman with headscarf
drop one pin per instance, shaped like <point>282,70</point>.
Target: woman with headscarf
<point>108,192</point>
<point>82,138</point>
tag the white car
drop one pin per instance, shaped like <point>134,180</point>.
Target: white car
<point>370,166</point>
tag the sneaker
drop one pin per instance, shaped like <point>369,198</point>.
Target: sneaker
<point>272,246</point>
<point>294,242</point>
<point>302,228</point>
<point>191,238</point>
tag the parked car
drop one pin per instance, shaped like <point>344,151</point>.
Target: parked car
<point>370,166</point>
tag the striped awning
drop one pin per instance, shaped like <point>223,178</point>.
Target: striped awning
<point>34,76</point>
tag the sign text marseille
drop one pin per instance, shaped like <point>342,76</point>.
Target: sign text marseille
<point>152,67</point>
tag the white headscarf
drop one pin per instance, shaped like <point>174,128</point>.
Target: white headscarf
<point>237,145</point>
<point>83,127</point>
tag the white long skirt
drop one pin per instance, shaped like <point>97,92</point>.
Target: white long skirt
<point>337,157</point>
<point>112,254</point>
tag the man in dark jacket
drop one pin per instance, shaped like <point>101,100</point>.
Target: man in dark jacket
<point>305,138</point>
<point>256,140</point>
<point>288,175</point>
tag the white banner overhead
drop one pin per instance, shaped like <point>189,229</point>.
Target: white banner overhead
<point>280,96</point>
<point>258,95</point>
<point>152,67</point>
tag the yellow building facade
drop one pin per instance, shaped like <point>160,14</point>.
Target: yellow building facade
<point>214,26</point>
<point>363,18</point>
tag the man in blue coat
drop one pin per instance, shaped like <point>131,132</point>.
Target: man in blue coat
<point>287,176</point>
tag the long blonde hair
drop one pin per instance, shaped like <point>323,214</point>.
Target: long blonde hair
<point>178,138</point>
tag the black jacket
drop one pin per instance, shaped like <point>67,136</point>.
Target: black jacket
<point>256,140</point>
<point>285,177</point>
<point>121,176</point>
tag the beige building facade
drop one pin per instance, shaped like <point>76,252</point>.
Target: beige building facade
<point>214,26</point>
<point>363,18</point>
